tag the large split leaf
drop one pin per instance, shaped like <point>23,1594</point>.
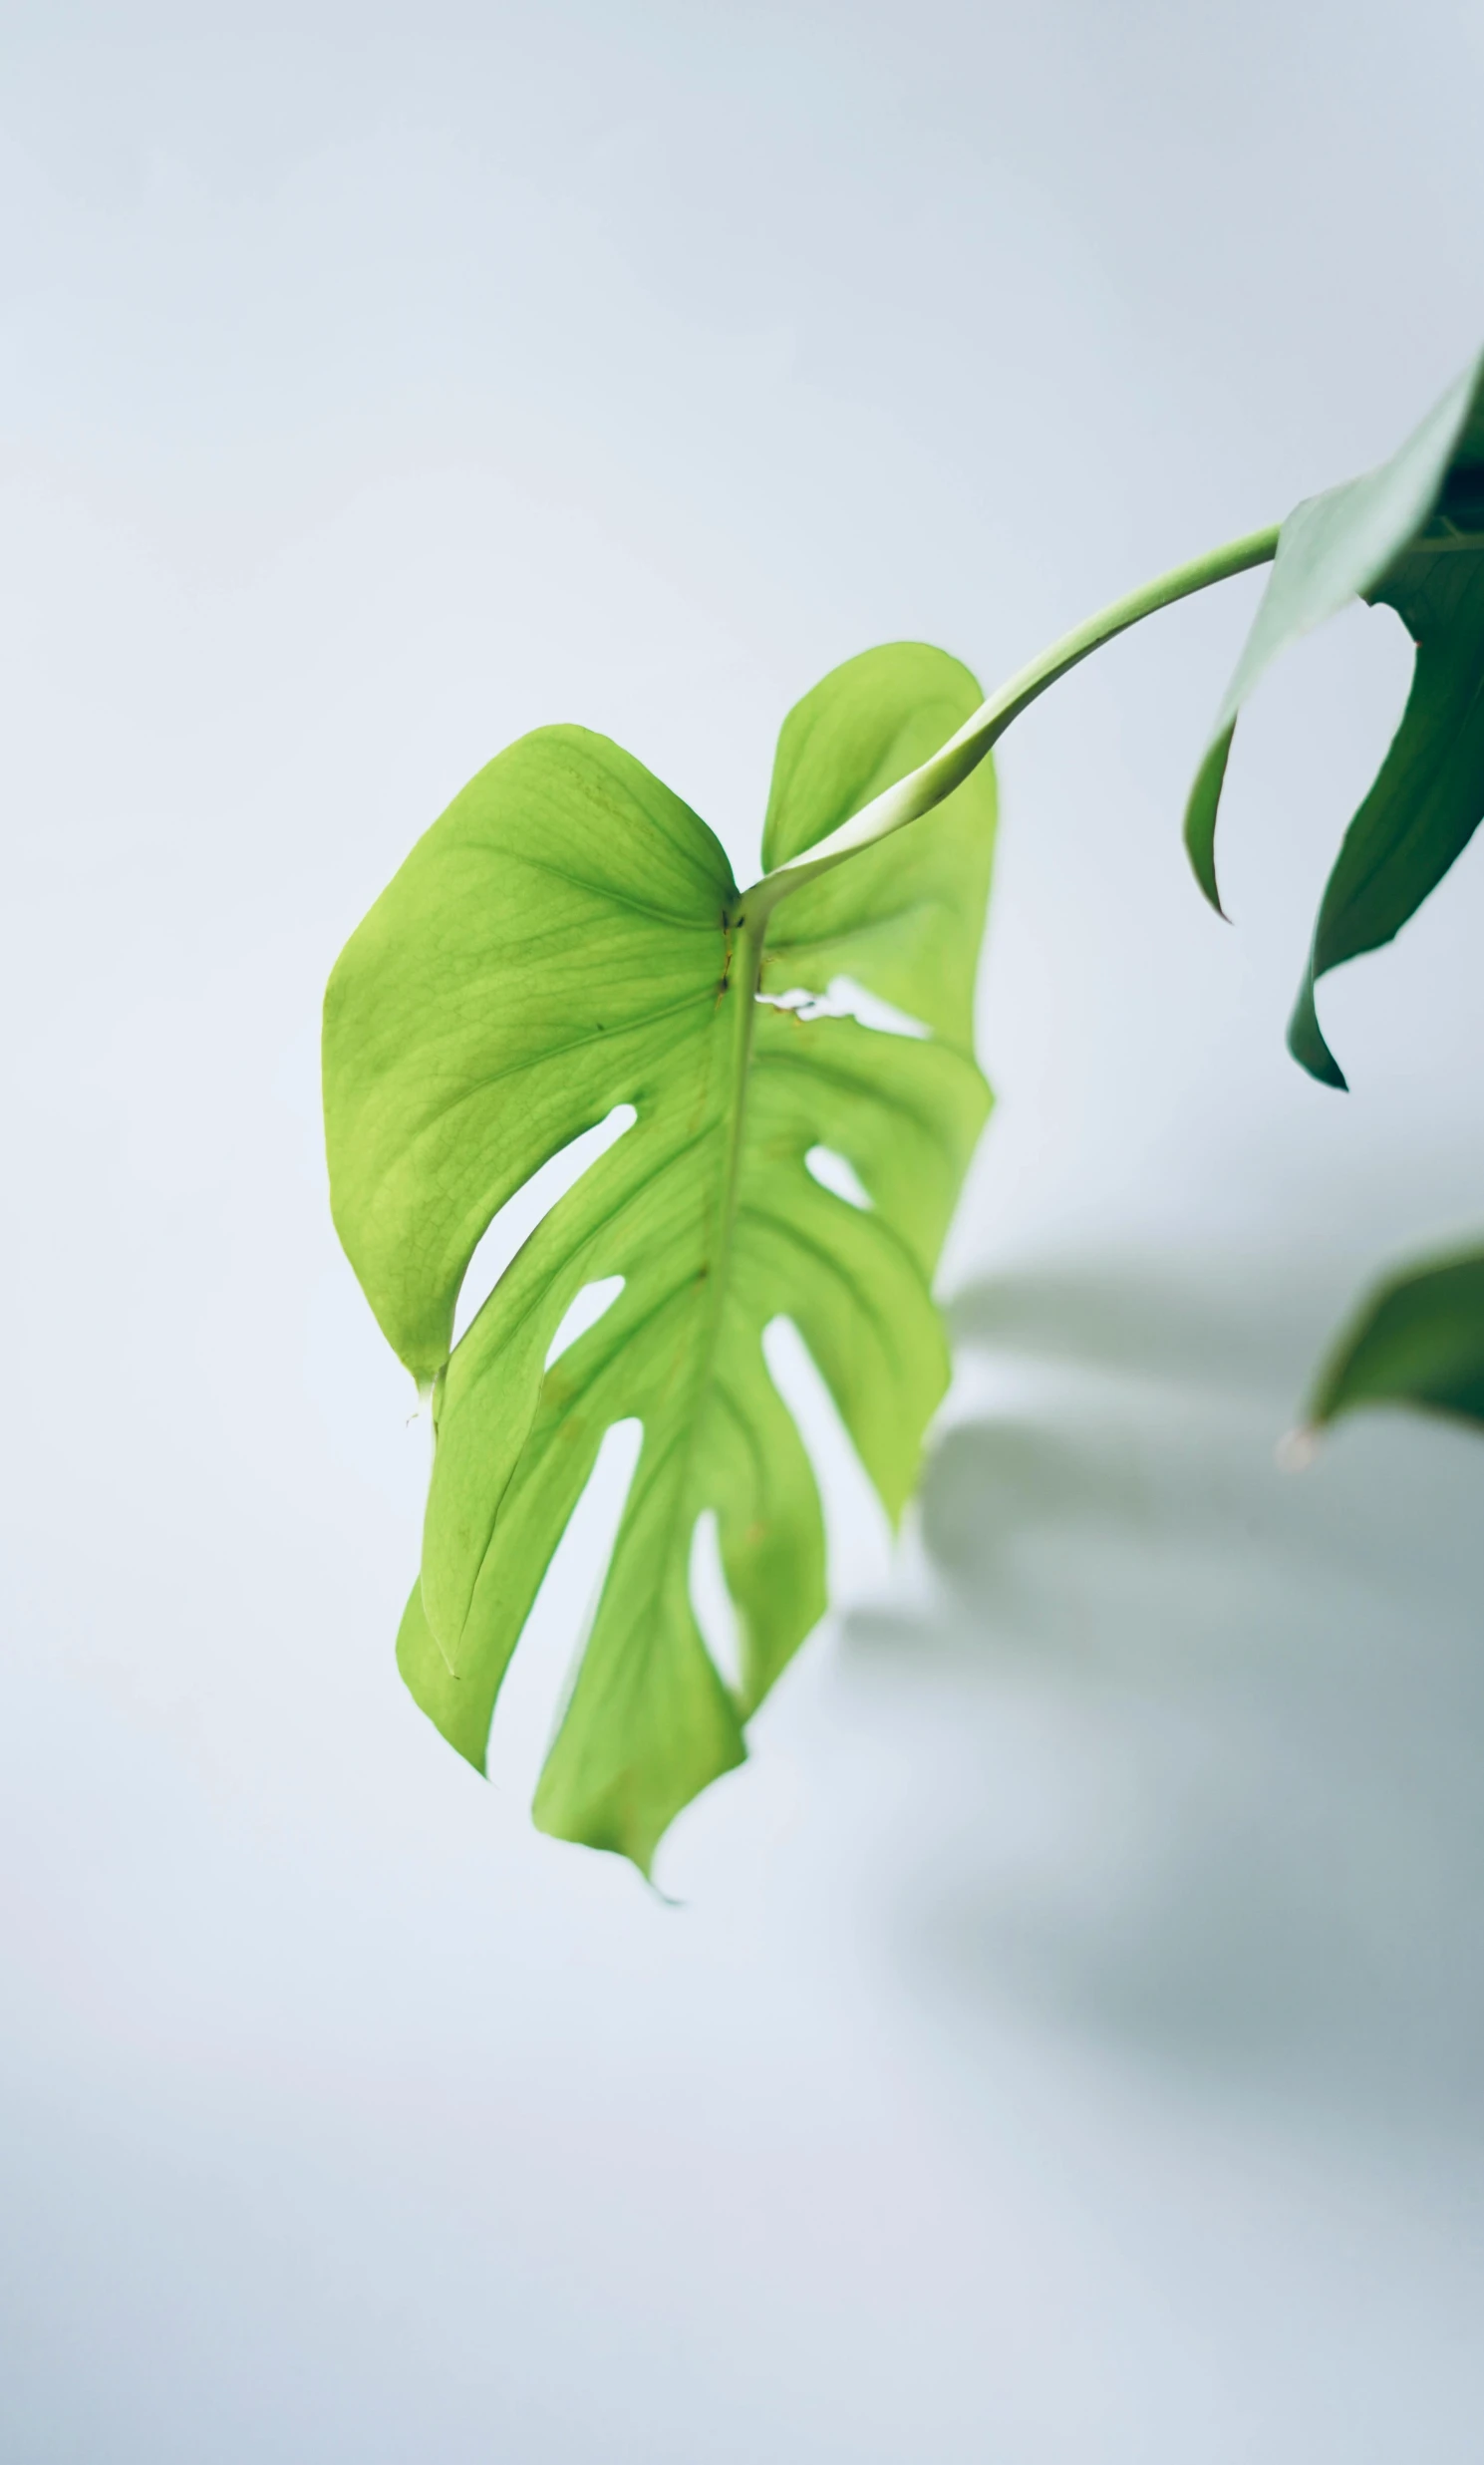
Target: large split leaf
<point>569,938</point>
<point>1418,1339</point>
<point>1409,536</point>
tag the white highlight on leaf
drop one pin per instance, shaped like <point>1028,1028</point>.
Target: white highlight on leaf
<point>848,999</point>
<point>518,1218</point>
<point>1296,1449</point>
<point>538,1684</point>
<point>584,1312</point>
<point>837,1174</point>
<point>716,1612</point>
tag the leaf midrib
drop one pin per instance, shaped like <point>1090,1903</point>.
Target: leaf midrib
<point>744,972</point>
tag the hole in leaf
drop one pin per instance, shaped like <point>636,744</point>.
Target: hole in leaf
<point>538,1684</point>
<point>846,998</point>
<point>518,1218</point>
<point>716,1613</point>
<point>837,1174</point>
<point>584,1312</point>
<point>857,1530</point>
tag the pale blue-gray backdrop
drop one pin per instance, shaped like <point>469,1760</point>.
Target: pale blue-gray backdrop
<point>1070,2045</point>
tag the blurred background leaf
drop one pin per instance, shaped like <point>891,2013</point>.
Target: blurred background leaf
<point>1417,1338</point>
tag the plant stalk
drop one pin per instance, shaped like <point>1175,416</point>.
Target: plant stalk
<point>944,770</point>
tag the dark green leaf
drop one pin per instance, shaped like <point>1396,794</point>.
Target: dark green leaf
<point>1418,1339</point>
<point>1411,536</point>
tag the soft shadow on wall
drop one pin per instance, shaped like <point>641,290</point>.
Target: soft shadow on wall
<point>1217,1729</point>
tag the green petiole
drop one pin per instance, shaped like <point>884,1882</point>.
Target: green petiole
<point>937,778</point>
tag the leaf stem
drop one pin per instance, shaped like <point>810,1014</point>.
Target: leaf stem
<point>944,770</point>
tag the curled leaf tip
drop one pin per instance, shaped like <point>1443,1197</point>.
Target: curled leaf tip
<point>1200,818</point>
<point>1306,1041</point>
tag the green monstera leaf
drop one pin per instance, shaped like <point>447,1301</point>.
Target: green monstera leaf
<point>569,939</point>
<point>1418,1339</point>
<point>1409,536</point>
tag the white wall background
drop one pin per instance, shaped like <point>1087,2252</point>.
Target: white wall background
<point>1072,2043</point>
